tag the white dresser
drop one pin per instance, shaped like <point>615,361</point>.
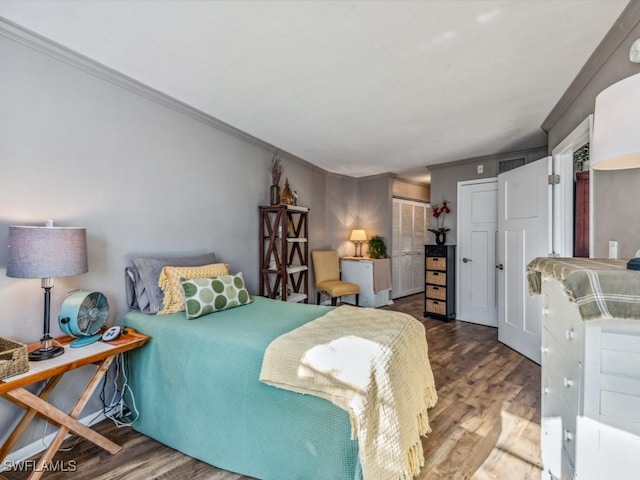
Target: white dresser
<point>590,426</point>
<point>362,272</point>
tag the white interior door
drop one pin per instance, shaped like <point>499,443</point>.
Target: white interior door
<point>476,262</point>
<point>524,233</point>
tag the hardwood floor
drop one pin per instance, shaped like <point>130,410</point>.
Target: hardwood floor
<point>485,425</point>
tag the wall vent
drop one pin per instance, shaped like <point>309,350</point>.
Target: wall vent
<point>506,165</point>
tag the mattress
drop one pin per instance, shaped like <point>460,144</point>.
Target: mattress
<point>197,389</point>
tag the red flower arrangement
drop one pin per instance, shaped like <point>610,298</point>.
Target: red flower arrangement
<point>440,210</point>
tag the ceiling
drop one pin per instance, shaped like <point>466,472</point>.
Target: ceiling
<point>354,87</point>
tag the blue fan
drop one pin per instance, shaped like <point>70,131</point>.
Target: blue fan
<point>82,315</point>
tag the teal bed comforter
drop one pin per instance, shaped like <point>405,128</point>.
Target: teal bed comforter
<point>197,388</point>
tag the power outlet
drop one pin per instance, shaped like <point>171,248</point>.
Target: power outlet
<point>481,168</point>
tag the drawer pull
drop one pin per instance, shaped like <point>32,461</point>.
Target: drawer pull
<point>568,436</point>
<point>568,383</point>
<point>570,334</point>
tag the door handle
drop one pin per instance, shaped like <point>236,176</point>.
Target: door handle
<point>465,260</point>
<point>500,266</point>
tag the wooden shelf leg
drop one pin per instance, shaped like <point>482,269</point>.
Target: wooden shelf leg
<point>75,412</point>
<point>26,419</point>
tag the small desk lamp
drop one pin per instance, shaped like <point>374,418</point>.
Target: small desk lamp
<point>46,252</point>
<point>358,237</point>
<point>616,131</point>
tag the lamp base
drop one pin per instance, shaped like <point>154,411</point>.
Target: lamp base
<point>40,354</point>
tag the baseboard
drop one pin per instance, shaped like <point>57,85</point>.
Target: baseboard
<point>38,446</point>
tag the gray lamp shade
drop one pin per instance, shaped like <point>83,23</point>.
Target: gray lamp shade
<point>46,252</point>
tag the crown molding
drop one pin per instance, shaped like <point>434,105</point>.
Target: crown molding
<point>377,176</point>
<point>629,18</point>
<point>52,49</point>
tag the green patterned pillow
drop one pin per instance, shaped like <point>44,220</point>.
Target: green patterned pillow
<point>208,295</point>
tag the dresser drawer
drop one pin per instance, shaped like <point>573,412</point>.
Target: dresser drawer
<point>555,407</point>
<point>437,278</point>
<point>437,263</point>
<point>562,322</point>
<point>436,250</point>
<point>437,293</point>
<point>564,379</point>
<point>436,306</point>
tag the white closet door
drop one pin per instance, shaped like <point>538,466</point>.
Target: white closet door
<point>409,230</point>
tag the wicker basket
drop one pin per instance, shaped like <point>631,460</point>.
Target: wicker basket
<point>13,358</point>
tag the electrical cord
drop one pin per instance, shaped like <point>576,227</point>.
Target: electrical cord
<point>116,408</point>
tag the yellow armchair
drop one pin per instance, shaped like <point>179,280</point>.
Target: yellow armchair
<point>326,265</point>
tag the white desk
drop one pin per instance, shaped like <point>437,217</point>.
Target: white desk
<point>360,270</point>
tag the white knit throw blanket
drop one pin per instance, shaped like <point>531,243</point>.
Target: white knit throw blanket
<point>373,364</point>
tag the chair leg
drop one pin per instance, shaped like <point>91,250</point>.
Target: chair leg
<point>357,299</point>
<point>317,298</point>
<point>334,301</point>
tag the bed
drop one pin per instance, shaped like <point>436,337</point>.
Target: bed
<point>198,389</point>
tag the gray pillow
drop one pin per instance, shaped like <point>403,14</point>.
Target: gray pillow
<point>142,287</point>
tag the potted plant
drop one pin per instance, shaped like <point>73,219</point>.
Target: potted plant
<point>439,211</point>
<point>377,247</point>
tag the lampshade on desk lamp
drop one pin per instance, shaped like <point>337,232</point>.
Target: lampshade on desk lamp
<point>46,253</point>
<point>616,131</point>
<point>358,237</point>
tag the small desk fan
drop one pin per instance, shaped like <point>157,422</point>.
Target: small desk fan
<point>82,315</point>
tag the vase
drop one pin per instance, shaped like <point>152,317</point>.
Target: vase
<point>441,238</point>
<point>274,192</point>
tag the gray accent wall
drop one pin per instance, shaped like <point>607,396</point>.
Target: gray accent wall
<point>616,211</point>
<point>357,203</point>
<point>342,213</point>
<point>144,180</point>
<point>375,207</point>
<point>445,178</point>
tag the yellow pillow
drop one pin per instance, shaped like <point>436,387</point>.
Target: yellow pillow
<point>169,283</point>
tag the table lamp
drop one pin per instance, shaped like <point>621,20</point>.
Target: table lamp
<point>358,237</point>
<point>45,253</point>
<point>616,131</point>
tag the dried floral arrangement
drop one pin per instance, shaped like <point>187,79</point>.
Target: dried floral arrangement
<point>276,169</point>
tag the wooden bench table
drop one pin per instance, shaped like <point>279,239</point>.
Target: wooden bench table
<point>51,371</point>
